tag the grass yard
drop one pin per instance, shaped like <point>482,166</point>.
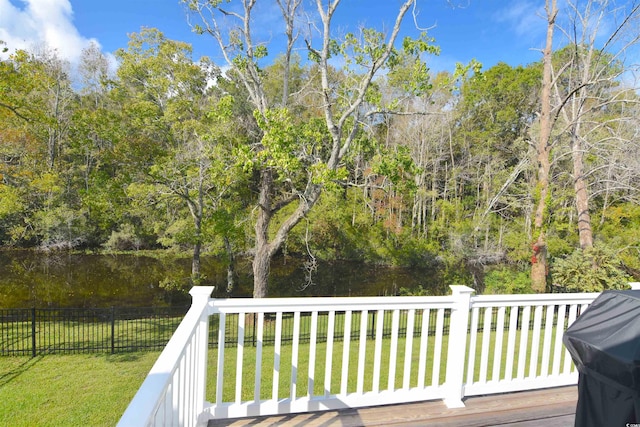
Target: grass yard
<point>521,360</point>
<point>73,390</point>
<point>285,372</point>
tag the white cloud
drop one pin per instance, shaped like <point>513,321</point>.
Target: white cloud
<point>28,23</point>
<point>524,17</point>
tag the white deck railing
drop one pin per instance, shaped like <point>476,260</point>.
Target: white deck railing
<point>285,355</point>
<point>173,394</point>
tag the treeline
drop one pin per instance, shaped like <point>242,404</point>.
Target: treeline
<point>299,157</point>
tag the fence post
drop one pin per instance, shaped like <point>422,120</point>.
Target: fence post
<point>113,329</point>
<point>457,347</point>
<point>253,333</point>
<point>372,335</point>
<point>33,332</point>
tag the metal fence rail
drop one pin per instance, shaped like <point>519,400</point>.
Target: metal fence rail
<point>35,331</point>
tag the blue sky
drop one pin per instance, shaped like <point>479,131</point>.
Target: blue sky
<point>487,30</point>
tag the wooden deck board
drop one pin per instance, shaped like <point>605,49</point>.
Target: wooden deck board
<point>553,407</point>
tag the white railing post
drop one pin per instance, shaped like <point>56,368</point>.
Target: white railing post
<point>457,346</point>
<point>635,286</point>
<point>200,297</point>
<point>173,393</point>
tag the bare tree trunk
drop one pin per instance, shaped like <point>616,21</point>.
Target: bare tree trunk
<point>261,267</point>
<point>539,266</point>
<point>265,249</point>
<point>585,232</point>
<point>195,262</point>
<point>196,212</point>
<point>231,265</point>
<point>52,143</point>
<point>262,257</point>
<point>288,8</point>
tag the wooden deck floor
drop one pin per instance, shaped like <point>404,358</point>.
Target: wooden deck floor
<point>549,408</point>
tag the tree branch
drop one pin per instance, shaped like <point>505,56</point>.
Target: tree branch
<point>15,111</point>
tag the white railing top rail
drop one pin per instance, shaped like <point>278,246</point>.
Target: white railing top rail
<point>149,397</point>
<point>269,305</point>
<point>302,304</point>
<point>532,299</point>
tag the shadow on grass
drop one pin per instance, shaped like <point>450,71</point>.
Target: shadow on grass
<point>15,371</point>
<point>133,356</point>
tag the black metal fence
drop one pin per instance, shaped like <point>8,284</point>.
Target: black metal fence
<point>115,330</point>
<point>35,331</point>
<point>322,327</point>
<point>38,331</point>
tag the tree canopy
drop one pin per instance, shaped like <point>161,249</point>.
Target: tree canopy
<point>331,146</point>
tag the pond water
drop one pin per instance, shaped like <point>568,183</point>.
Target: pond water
<point>32,279</point>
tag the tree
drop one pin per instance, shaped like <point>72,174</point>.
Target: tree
<point>55,97</point>
<point>587,89</point>
<point>539,267</point>
<point>91,118</point>
<point>496,113</point>
<point>293,161</point>
<point>38,89</point>
<point>191,132</point>
<point>13,84</point>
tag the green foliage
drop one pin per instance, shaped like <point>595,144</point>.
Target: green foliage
<point>507,280</point>
<point>59,228</point>
<point>516,243</point>
<point>179,285</point>
<point>10,202</point>
<point>280,142</point>
<point>123,239</point>
<point>420,291</point>
<point>561,243</point>
<point>625,216</point>
<point>397,166</point>
<point>590,270</point>
<point>408,71</point>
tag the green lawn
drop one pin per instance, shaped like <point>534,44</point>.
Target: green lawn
<point>285,372</point>
<point>75,390</point>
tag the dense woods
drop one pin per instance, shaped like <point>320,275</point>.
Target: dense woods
<point>335,146</point>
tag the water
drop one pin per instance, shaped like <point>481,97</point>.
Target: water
<point>31,279</point>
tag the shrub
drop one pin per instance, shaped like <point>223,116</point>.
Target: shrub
<point>590,270</point>
<point>123,239</point>
<point>507,281</point>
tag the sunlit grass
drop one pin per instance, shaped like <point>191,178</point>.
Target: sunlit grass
<point>521,360</point>
<point>286,369</point>
<point>69,390</point>
<point>521,364</point>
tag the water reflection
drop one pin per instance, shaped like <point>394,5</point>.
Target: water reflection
<point>29,279</point>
